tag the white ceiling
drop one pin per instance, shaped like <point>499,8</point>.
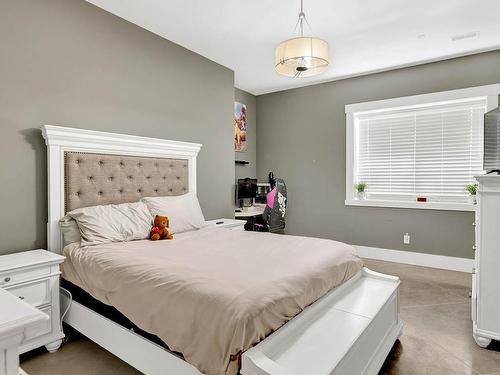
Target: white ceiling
<point>364,35</point>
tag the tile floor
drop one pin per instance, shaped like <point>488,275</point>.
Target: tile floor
<point>437,333</point>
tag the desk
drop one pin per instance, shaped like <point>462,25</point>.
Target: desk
<point>251,214</point>
<point>255,210</point>
<point>18,322</point>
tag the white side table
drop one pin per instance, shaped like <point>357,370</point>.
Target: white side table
<point>33,277</point>
<point>19,322</point>
<point>232,224</point>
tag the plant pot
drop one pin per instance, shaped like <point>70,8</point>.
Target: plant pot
<point>473,199</point>
<point>361,195</point>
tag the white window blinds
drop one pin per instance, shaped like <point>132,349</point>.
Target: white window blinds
<point>429,151</point>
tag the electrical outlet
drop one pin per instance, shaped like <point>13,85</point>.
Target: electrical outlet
<point>406,239</point>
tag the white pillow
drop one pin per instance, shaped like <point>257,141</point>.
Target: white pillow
<point>113,223</point>
<point>183,211</point>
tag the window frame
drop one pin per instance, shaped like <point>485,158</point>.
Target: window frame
<point>490,92</point>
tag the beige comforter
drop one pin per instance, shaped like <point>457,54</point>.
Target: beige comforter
<point>213,293</point>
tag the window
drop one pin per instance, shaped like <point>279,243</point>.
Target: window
<point>430,152</point>
<point>419,154</point>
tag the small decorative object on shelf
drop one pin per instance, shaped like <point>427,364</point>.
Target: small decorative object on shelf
<point>360,190</point>
<point>472,189</point>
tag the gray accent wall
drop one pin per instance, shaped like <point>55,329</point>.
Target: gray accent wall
<point>69,63</point>
<point>301,137</point>
<point>248,170</point>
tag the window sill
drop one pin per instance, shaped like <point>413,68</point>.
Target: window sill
<point>406,204</point>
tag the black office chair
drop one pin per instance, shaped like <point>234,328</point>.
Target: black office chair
<point>274,216</point>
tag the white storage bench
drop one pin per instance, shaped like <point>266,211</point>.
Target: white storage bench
<point>348,331</point>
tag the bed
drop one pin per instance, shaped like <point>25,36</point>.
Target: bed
<point>298,305</point>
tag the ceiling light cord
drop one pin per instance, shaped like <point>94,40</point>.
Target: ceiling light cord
<point>301,20</point>
<point>302,17</point>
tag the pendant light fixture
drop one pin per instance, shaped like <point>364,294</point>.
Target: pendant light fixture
<point>302,56</point>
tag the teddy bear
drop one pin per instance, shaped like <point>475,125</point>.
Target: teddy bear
<point>160,229</point>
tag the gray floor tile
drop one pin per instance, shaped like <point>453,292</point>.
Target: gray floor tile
<point>450,326</point>
<point>79,356</point>
<point>426,286</point>
<point>414,355</point>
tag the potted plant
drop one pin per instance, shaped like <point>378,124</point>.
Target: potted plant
<point>472,189</point>
<point>360,190</point>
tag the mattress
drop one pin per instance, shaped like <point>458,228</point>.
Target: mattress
<point>213,293</point>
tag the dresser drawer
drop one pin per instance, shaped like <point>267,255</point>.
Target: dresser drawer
<point>9,278</point>
<point>35,293</point>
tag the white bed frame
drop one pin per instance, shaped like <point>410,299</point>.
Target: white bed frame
<point>348,331</point>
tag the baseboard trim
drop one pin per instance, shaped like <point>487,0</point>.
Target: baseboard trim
<point>417,259</point>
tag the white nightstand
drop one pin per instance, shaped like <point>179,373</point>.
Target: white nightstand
<point>33,276</point>
<point>232,224</point>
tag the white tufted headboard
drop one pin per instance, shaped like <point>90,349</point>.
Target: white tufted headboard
<point>87,168</point>
<point>99,179</point>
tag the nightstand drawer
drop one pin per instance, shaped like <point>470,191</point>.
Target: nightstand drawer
<point>9,278</point>
<point>35,293</point>
<point>43,329</point>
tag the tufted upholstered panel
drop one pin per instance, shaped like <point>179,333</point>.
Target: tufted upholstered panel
<point>98,179</point>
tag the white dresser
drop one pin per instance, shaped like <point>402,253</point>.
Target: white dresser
<point>486,275</point>
<point>33,276</point>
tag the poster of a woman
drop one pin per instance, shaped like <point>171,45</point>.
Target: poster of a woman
<point>240,127</point>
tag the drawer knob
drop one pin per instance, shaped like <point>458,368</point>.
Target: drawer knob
<point>474,224</point>
<point>21,297</point>
<point>474,247</point>
<point>7,279</point>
